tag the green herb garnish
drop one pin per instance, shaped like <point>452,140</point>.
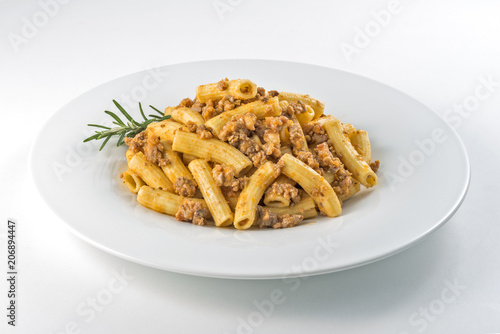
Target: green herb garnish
<point>128,129</point>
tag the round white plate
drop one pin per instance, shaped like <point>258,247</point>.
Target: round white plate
<point>423,178</point>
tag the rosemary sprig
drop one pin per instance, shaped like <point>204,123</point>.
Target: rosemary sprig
<point>124,129</point>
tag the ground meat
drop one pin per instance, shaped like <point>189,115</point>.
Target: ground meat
<point>298,107</point>
<point>192,211</point>
<point>342,180</point>
<point>286,190</point>
<point>185,187</point>
<point>252,150</point>
<point>276,123</point>
<point>296,136</point>
<point>266,218</point>
<point>309,159</point>
<point>320,191</point>
<point>260,96</point>
<point>150,146</point>
<point>222,85</point>
<point>237,131</point>
<point>315,133</point>
<point>326,159</point>
<point>192,126</point>
<point>154,152</point>
<point>286,108</point>
<point>208,111</point>
<point>238,128</point>
<point>273,93</point>
<point>272,143</point>
<point>277,167</point>
<point>288,221</point>
<point>228,102</point>
<point>224,177</point>
<point>187,102</point>
<point>260,129</point>
<point>137,143</point>
<point>375,165</point>
<point>261,91</point>
<point>197,106</point>
<point>271,135</point>
<point>201,130</point>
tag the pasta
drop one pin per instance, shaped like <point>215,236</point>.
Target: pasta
<point>219,208</point>
<point>247,158</point>
<point>246,207</point>
<point>351,158</point>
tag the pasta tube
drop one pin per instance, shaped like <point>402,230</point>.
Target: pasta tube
<point>259,108</point>
<point>274,200</point>
<point>129,154</point>
<point>361,143</point>
<point>164,129</point>
<point>162,201</point>
<point>317,105</point>
<point>352,160</point>
<point>176,167</point>
<point>187,158</point>
<point>149,173</point>
<point>185,115</point>
<point>168,111</point>
<point>241,89</point>
<point>219,208</point>
<point>297,137</point>
<point>353,189</point>
<point>313,183</point>
<point>246,208</point>
<point>306,116</point>
<point>306,207</point>
<point>211,149</point>
<point>132,181</point>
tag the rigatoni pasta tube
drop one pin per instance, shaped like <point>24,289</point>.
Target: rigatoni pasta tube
<point>352,160</point>
<point>129,154</point>
<point>168,111</point>
<point>306,116</point>
<point>275,200</point>
<point>246,208</point>
<point>299,141</point>
<point>149,173</point>
<point>242,89</point>
<point>176,167</point>
<point>185,115</point>
<point>132,181</point>
<point>361,143</point>
<point>211,149</point>
<point>163,201</point>
<point>259,108</point>
<point>317,105</point>
<point>313,183</point>
<point>353,189</point>
<point>306,207</point>
<point>164,129</point>
<point>187,158</point>
<point>219,208</point>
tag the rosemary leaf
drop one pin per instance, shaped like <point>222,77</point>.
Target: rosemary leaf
<point>122,129</point>
<point>159,112</point>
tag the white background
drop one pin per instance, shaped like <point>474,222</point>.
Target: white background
<point>436,51</point>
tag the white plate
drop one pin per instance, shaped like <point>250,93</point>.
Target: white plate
<point>412,200</point>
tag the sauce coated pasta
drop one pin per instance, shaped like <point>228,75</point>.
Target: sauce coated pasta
<point>241,156</point>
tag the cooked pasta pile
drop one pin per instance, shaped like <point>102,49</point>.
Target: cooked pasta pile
<point>240,156</point>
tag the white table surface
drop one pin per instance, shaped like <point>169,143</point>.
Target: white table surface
<point>436,51</point>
